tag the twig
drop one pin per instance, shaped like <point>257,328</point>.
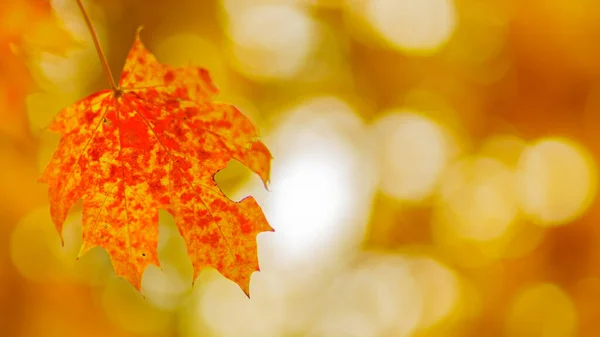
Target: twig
<point>111,79</point>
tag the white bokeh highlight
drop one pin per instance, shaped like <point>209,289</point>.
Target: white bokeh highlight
<point>421,26</point>
<point>271,41</point>
<point>413,151</point>
<point>557,181</point>
<point>322,184</point>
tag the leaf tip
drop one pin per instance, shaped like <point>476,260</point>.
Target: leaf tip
<point>82,251</point>
<point>266,185</point>
<point>136,283</point>
<point>246,292</point>
<point>244,284</point>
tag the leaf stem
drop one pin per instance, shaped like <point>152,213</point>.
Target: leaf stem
<point>111,79</point>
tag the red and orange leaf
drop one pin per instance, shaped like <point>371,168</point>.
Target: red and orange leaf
<point>157,143</point>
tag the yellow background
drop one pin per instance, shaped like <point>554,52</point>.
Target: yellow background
<point>435,171</point>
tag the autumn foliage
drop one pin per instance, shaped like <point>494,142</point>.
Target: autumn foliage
<point>28,28</point>
<point>156,142</point>
<point>432,179</point>
<point>25,27</point>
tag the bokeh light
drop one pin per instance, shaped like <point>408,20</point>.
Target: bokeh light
<point>357,306</point>
<point>75,69</point>
<point>271,41</point>
<point>557,181</point>
<point>542,310</point>
<point>263,316</point>
<point>31,247</point>
<point>439,287</point>
<point>478,199</point>
<point>419,26</point>
<point>316,197</point>
<point>413,153</point>
<point>434,174</point>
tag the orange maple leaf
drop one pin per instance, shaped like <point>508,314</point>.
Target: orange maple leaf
<point>157,142</point>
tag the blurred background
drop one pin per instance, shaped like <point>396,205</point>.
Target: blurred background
<point>435,168</point>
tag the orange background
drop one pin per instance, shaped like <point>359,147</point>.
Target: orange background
<point>435,171</point>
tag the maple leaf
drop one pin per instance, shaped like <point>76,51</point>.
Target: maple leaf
<point>157,142</point>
